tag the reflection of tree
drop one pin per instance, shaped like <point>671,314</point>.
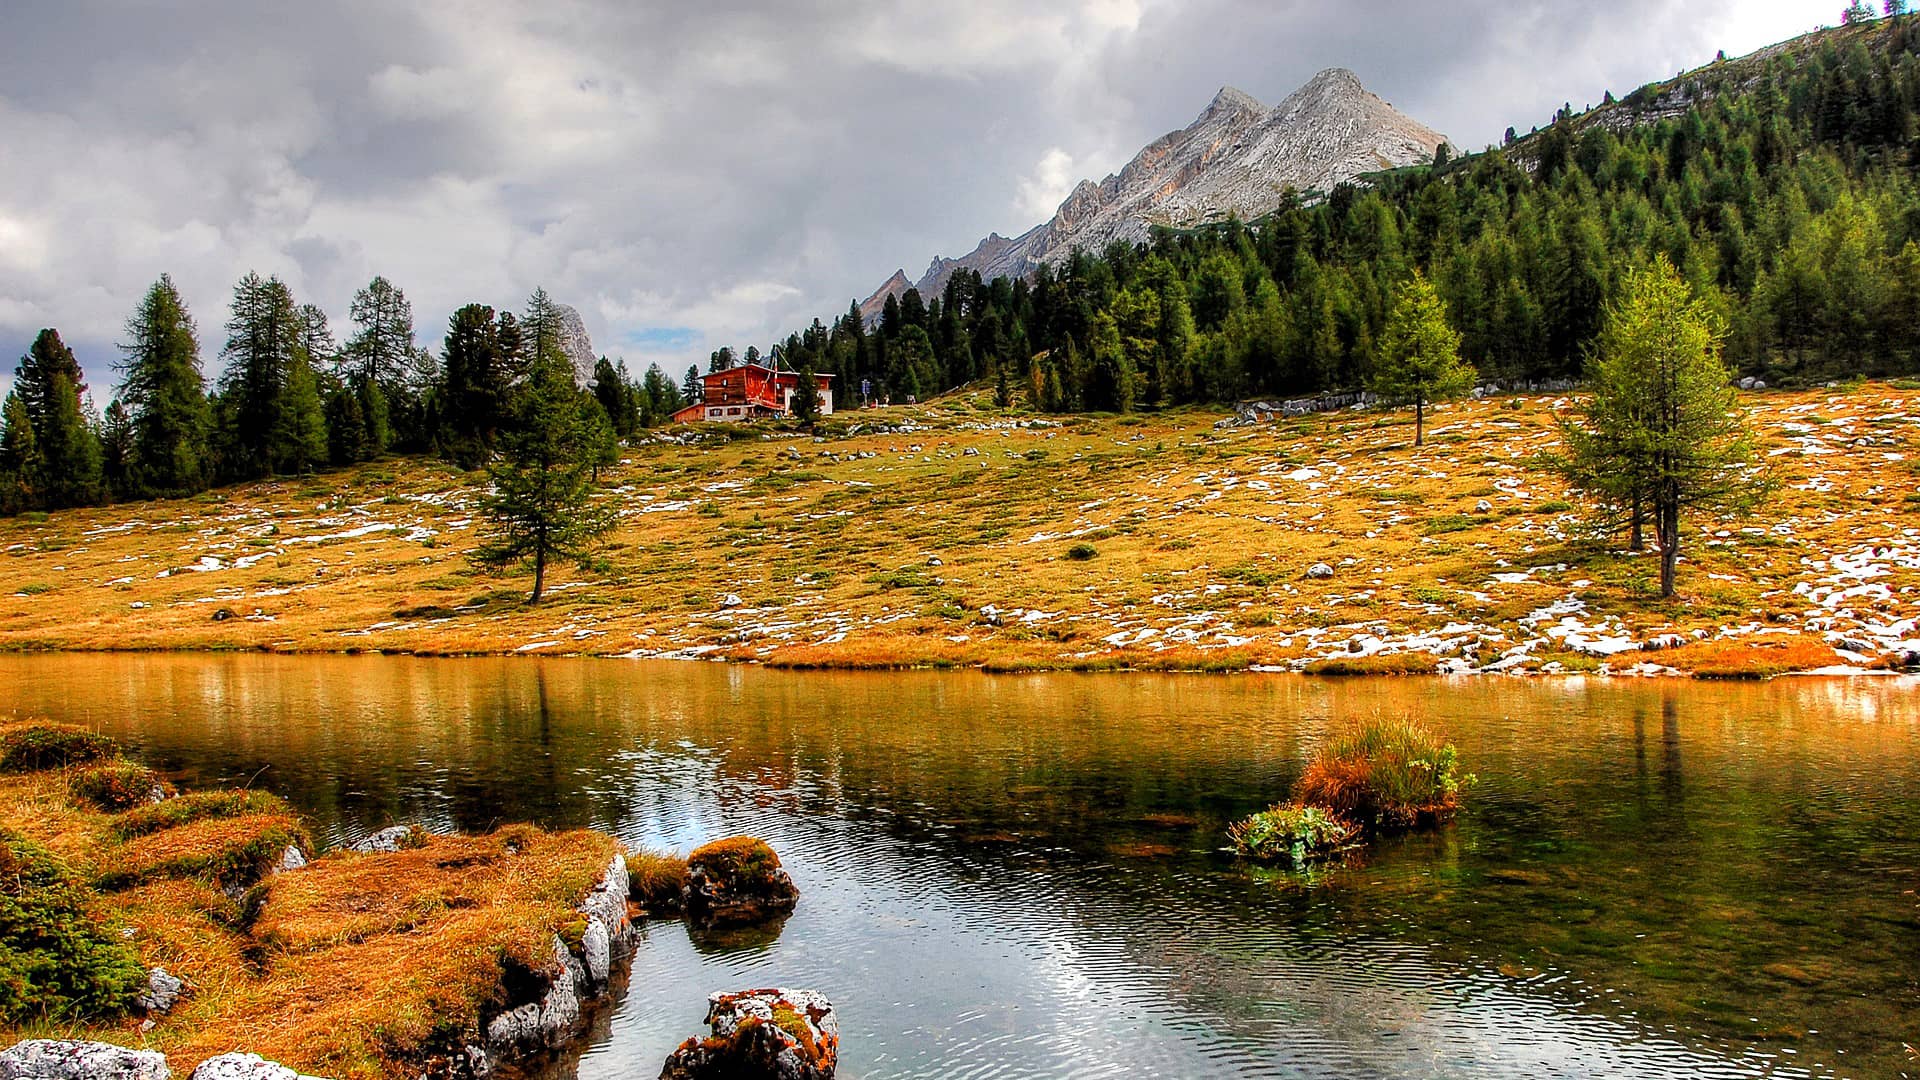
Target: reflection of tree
<point>1671,781</point>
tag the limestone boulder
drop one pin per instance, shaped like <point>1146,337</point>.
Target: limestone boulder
<point>761,1035</point>
<point>72,1059</point>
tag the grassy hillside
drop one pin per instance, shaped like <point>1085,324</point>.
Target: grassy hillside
<point>966,536</point>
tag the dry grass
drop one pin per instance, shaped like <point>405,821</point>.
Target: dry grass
<point>1391,773</point>
<point>949,545</point>
<point>356,966</point>
<point>1389,664</point>
<point>1751,658</point>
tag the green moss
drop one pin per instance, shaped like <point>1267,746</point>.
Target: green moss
<point>33,747</point>
<point>116,785</point>
<point>59,961</point>
<point>198,806</point>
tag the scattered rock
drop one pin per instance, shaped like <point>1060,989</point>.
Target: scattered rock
<point>223,615</point>
<point>731,600</point>
<point>1482,507</point>
<point>393,838</point>
<point>772,1034</point>
<point>1319,571</point>
<point>162,991</point>
<point>737,880</point>
<point>243,1067</point>
<point>290,859</point>
<point>72,1059</point>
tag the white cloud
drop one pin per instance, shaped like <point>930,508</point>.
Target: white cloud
<point>1051,181</point>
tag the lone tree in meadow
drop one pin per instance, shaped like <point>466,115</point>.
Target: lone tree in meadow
<point>1663,427</point>
<point>805,400</point>
<point>541,506</point>
<point>1420,353</point>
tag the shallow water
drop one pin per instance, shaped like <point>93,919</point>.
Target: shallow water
<point>1021,876</point>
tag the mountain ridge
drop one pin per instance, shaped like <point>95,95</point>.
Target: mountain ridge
<point>1237,157</point>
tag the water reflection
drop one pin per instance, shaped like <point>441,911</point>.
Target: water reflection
<point>1020,876</point>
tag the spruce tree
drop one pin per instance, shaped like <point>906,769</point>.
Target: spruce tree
<point>165,396</point>
<point>46,360</point>
<point>19,458</point>
<point>804,402</point>
<point>1420,354</point>
<point>116,448</point>
<point>264,339</point>
<point>70,470</point>
<point>540,507</point>
<point>472,392</point>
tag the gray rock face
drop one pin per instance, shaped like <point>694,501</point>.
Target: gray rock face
<point>162,992</point>
<point>575,342</point>
<point>244,1067</point>
<point>574,981</point>
<point>68,1059</point>
<point>1237,158</point>
<point>290,859</point>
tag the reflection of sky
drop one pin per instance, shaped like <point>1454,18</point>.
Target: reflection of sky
<point>972,968</point>
<point>963,843</point>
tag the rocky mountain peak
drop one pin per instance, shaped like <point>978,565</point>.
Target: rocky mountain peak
<point>1237,158</point>
<point>1232,99</point>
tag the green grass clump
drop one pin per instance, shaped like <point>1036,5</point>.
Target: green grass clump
<point>1292,833</point>
<point>59,961</point>
<point>656,880</point>
<point>198,806</point>
<point>37,746</point>
<point>117,785</point>
<point>1386,774</point>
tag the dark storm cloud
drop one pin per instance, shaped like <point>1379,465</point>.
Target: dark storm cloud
<point>688,175</point>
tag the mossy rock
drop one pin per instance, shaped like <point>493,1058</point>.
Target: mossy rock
<point>117,785</point>
<point>735,881</point>
<point>40,746</point>
<point>197,806</point>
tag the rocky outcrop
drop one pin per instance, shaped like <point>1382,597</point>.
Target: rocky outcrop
<point>737,881</point>
<point>575,342</point>
<point>756,1034</point>
<point>1237,158</point>
<point>552,1006</point>
<point>71,1059</point>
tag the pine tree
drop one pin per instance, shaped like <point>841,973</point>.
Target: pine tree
<point>1663,422</point>
<point>70,470</point>
<point>1420,354</point>
<point>299,441</point>
<point>19,458</point>
<point>541,505</point>
<point>46,360</point>
<point>804,402</point>
<point>473,392</point>
<point>165,395</point>
<point>263,341</point>
<point>381,349</point>
<point>116,448</point>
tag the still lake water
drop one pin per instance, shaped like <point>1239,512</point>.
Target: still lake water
<point>1021,876</point>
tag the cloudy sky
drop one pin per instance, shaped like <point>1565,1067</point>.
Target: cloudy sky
<point>687,174</point>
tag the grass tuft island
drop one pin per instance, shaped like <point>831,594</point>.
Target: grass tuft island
<point>201,924</point>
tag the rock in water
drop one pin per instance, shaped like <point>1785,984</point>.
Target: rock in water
<point>71,1059</point>
<point>737,880</point>
<point>575,342</point>
<point>771,1034</point>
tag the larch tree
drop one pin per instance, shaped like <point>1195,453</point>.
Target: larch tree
<point>165,396</point>
<point>1663,422</point>
<point>1420,353</point>
<point>540,507</point>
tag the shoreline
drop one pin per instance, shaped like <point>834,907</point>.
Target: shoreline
<point>1646,670</point>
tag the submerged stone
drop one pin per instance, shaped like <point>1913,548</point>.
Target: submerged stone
<point>772,1034</point>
